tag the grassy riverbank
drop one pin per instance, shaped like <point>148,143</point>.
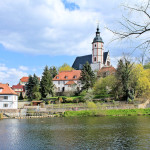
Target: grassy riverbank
<point>112,112</point>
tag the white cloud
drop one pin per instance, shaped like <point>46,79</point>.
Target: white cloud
<point>47,27</point>
<point>10,75</point>
<point>23,68</point>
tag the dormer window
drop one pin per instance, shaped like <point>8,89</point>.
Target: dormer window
<point>74,77</point>
<point>57,77</point>
<point>1,89</point>
<point>66,77</point>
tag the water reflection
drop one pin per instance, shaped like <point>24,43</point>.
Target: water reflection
<point>76,133</point>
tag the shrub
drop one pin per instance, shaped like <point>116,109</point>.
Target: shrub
<point>91,105</point>
<point>69,100</point>
<point>60,99</point>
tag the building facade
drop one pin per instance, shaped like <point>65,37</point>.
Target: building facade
<point>8,97</point>
<point>67,81</point>
<point>19,89</point>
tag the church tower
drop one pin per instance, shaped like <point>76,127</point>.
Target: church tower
<point>97,51</point>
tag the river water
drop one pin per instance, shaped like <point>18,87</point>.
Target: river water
<point>88,133</point>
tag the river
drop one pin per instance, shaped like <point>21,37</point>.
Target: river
<point>83,133</point>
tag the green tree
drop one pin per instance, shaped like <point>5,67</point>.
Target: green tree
<point>53,71</point>
<point>147,65</point>
<point>29,87</point>
<point>65,67</point>
<point>87,77</point>
<point>124,80</point>
<point>21,96</point>
<point>46,85</point>
<point>32,82</point>
<point>105,86</point>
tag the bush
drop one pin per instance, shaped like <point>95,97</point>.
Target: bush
<point>91,105</point>
<point>69,100</point>
<point>60,99</point>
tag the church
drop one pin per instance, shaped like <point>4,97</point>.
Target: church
<point>97,59</point>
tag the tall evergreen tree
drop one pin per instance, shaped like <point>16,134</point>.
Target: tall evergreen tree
<point>46,85</point>
<point>87,77</point>
<point>53,71</point>
<point>123,76</point>
<point>21,96</point>
<point>29,87</point>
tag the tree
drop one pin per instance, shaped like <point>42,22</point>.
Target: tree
<point>32,82</point>
<point>21,96</point>
<point>46,85</point>
<point>147,66</point>
<point>133,27</point>
<point>123,75</point>
<point>53,71</point>
<point>65,67</point>
<point>104,86</point>
<point>141,80</point>
<point>87,77</point>
<point>29,87</point>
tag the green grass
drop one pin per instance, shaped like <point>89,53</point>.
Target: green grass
<point>112,112</point>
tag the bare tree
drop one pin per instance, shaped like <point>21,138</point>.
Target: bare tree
<point>134,28</point>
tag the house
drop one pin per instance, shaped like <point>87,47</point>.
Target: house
<point>97,59</point>
<point>105,71</point>
<point>23,81</point>
<point>8,97</point>
<point>67,81</point>
<point>19,89</point>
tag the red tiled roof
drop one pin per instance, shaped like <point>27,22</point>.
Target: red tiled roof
<point>6,90</point>
<point>24,79</point>
<point>107,69</point>
<point>68,75</point>
<point>70,83</point>
<point>18,86</point>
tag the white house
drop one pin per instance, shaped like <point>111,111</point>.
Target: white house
<point>8,98</point>
<point>67,81</point>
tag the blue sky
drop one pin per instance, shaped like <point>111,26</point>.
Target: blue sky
<point>34,34</point>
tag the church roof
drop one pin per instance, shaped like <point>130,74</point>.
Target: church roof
<point>81,60</point>
<point>97,38</point>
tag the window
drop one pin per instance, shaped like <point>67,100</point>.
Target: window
<point>95,45</point>
<point>5,97</point>
<point>66,77</point>
<point>58,82</point>
<point>5,105</point>
<point>1,89</point>
<point>57,77</point>
<point>64,82</point>
<point>94,58</point>
<point>74,77</point>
